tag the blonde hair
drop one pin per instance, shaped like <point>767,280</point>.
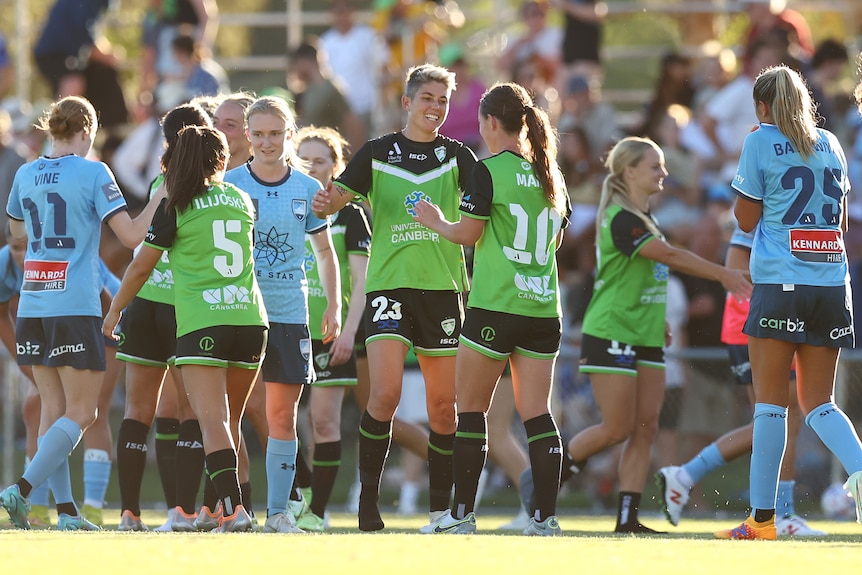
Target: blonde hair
<point>627,152</point>
<point>67,117</point>
<point>279,108</point>
<point>329,137</point>
<point>793,110</point>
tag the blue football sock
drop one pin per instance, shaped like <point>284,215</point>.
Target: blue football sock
<point>767,450</point>
<point>784,505</point>
<point>701,464</point>
<point>837,433</point>
<point>41,494</point>
<point>97,474</point>
<point>280,471</point>
<point>51,462</point>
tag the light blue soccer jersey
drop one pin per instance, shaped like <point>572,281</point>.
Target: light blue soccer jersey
<point>282,218</point>
<point>742,239</point>
<point>798,239</point>
<point>63,202</point>
<point>11,276</point>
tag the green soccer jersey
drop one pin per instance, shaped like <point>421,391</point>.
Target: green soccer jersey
<point>160,284</point>
<point>351,235</point>
<point>630,291</point>
<point>514,268</point>
<point>211,249</point>
<point>394,174</point>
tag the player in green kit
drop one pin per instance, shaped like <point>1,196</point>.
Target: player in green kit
<point>206,227</point>
<point>415,279</point>
<point>514,210</point>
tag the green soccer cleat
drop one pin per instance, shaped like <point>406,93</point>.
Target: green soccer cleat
<point>311,523</point>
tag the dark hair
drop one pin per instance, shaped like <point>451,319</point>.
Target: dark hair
<point>305,51</point>
<point>177,119</point>
<point>186,44</point>
<point>514,109</point>
<point>200,153</point>
<point>69,116</point>
<point>829,51</point>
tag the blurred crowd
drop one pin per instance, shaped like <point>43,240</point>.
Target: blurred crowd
<point>349,77</point>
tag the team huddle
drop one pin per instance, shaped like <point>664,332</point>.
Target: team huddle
<point>224,295</point>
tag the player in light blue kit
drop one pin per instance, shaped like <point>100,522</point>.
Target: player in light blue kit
<point>792,186</point>
<point>282,198</point>
<point>59,202</point>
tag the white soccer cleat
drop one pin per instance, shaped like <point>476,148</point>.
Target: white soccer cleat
<point>281,523</point>
<point>796,526</point>
<point>550,527</point>
<point>674,495</point>
<point>449,525</point>
<point>854,486</point>
<point>434,518</point>
<point>166,526</point>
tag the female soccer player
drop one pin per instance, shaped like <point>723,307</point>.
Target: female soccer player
<point>415,279</point>
<point>59,202</point>
<point>282,195</point>
<point>792,191</point>
<point>148,346</point>
<point>322,149</point>
<point>624,326</point>
<point>514,209</point>
<point>229,119</point>
<point>206,227</point>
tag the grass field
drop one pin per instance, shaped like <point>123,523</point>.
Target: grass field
<point>586,547</point>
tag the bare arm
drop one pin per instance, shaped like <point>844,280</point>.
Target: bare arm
<point>686,262</point>
<point>135,277</point>
<point>130,231</point>
<point>747,213</point>
<point>342,347</point>
<point>327,266</point>
<point>330,200</point>
<point>465,231</point>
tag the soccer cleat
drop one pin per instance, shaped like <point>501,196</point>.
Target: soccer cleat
<point>311,523</point>
<point>550,527</point>
<point>166,526</point>
<point>297,508</point>
<point>450,525</point>
<point>854,486</point>
<point>750,529</point>
<point>67,522</point>
<point>17,505</point>
<point>434,518</point>
<point>207,520</point>
<point>519,523</point>
<point>281,523</point>
<point>92,514</point>
<point>39,517</point>
<point>674,495</point>
<point>238,522</point>
<point>183,522</point>
<point>796,526</point>
<point>131,522</point>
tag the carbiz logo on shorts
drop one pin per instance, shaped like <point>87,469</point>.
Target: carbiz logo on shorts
<point>839,332</point>
<point>788,325</point>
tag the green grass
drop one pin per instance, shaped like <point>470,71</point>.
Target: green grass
<point>586,547</point>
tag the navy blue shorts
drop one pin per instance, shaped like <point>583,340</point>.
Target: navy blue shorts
<point>68,341</point>
<point>740,364</point>
<point>616,357</point>
<point>288,354</point>
<point>430,320</point>
<point>499,334</point>
<point>813,315</point>
<point>223,346</point>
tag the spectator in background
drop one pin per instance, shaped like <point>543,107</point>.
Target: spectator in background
<point>7,74</point>
<point>163,21</point>
<point>540,43</point>
<point>584,107</point>
<point>674,86</point>
<point>12,156</point>
<point>582,37</point>
<point>200,74</point>
<point>772,20</point>
<point>357,55</point>
<point>320,99</point>
<point>827,66</point>
<point>461,123</point>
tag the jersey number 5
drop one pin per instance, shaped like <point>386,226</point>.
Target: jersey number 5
<point>227,265</point>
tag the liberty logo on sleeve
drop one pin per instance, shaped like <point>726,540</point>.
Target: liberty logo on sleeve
<point>45,276</point>
<point>819,246</point>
